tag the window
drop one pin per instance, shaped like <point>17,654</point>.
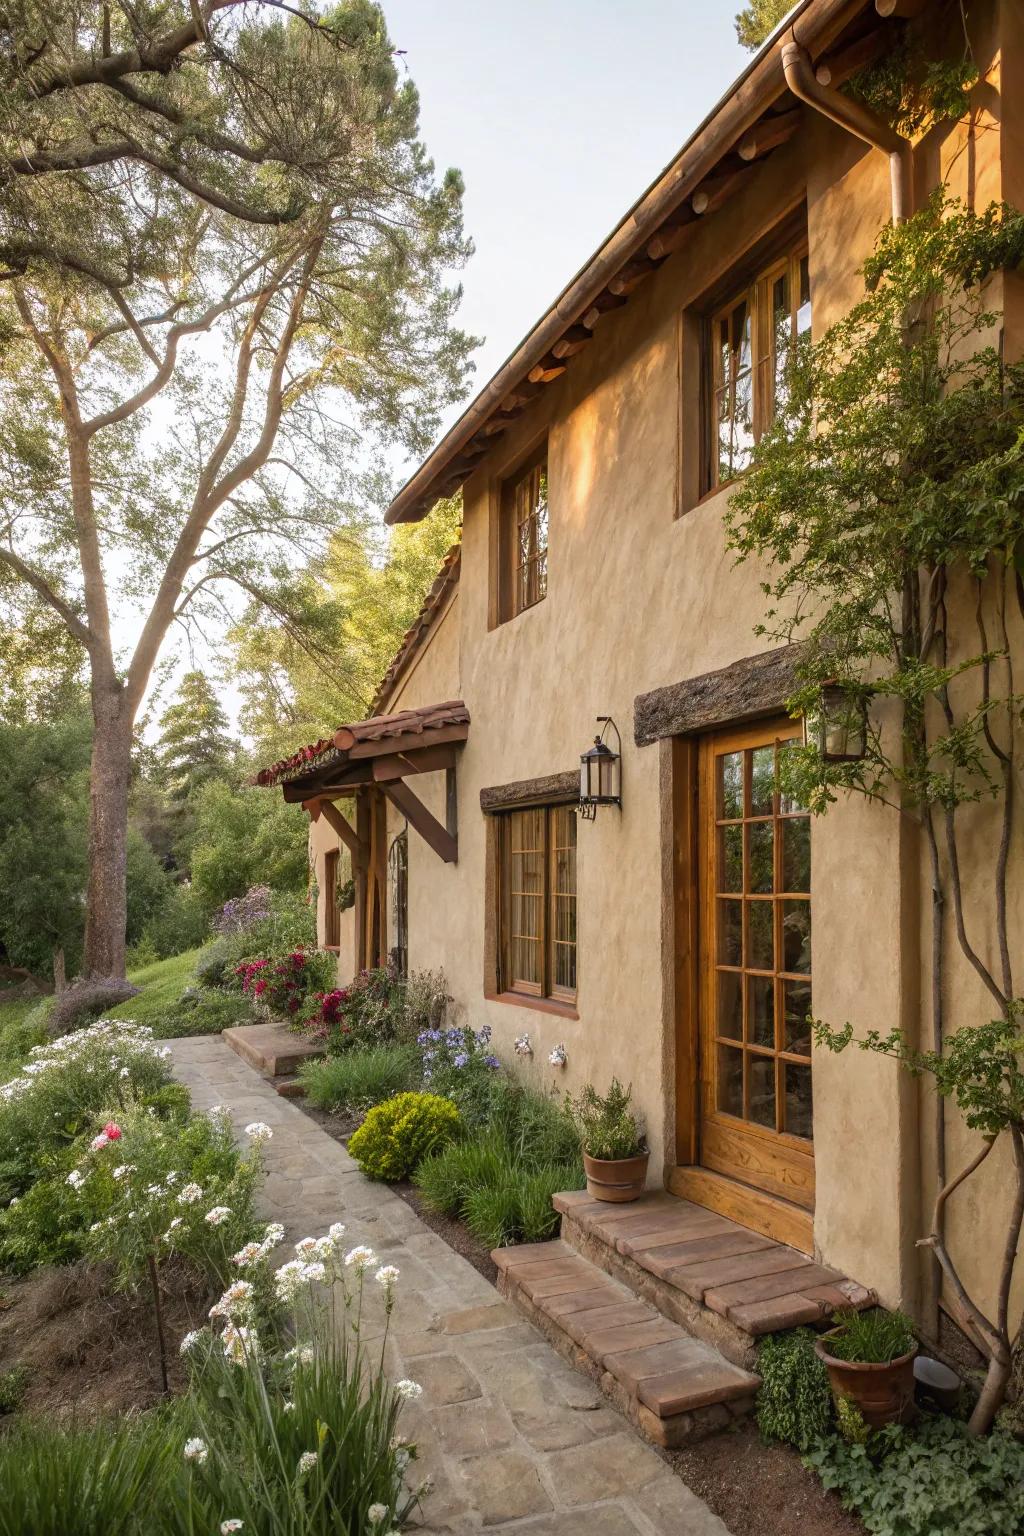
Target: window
<point>524,537</point>
<point>398,879</point>
<point>750,343</point>
<point>537,884</point>
<point>332,917</point>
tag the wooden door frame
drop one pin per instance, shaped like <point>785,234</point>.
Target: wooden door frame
<point>760,1211</point>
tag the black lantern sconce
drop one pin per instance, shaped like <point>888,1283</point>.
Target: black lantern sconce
<point>838,729</point>
<point>601,772</point>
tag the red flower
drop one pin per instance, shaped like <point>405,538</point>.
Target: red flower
<point>260,988</point>
<point>111,1131</point>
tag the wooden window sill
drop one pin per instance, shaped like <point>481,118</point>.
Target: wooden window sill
<point>539,1004</point>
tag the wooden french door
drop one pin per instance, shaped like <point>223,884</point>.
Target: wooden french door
<point>754,865</point>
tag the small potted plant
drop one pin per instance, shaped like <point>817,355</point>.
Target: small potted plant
<point>615,1152</point>
<point>869,1357</point>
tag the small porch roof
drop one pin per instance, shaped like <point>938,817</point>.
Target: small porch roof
<point>381,749</point>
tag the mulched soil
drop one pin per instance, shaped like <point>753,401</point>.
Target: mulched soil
<point>759,1489</point>
<point>88,1348</point>
<point>755,1488</point>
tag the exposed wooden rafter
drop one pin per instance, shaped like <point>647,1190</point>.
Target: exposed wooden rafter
<point>836,68</point>
<point>716,190</point>
<point>903,9</point>
<point>338,823</point>
<point>768,134</point>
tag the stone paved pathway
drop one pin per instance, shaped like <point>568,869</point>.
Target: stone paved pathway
<point>513,1438</point>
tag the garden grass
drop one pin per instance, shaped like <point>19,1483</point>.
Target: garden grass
<point>162,984</point>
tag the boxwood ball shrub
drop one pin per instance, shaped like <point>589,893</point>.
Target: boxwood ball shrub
<point>396,1136</point>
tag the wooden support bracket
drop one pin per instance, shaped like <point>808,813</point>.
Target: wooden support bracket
<point>416,814</point>
<point>337,823</point>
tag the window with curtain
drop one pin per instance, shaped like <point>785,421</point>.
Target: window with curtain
<point>524,537</point>
<point>537,883</point>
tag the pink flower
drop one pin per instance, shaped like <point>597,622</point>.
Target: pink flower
<point>100,1141</point>
<point>111,1131</point>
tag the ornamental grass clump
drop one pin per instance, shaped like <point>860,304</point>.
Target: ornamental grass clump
<point>396,1136</point>
<point>359,1079</point>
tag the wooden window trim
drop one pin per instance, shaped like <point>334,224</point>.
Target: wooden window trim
<point>755,294</point>
<point>509,606</point>
<point>545,992</point>
<point>332,917</point>
<point>551,1005</point>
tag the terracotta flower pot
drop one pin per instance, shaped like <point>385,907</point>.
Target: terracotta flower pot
<point>884,1393</point>
<point>619,1180</point>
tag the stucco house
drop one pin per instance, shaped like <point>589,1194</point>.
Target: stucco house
<point>593,593</point>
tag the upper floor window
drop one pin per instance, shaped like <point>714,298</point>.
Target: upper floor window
<point>751,338</point>
<point>537,885</point>
<point>524,537</point>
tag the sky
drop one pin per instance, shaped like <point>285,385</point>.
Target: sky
<point>559,113</point>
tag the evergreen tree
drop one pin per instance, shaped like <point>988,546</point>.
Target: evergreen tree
<point>758,20</point>
<point>194,745</point>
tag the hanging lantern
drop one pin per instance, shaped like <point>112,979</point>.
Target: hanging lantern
<point>838,729</point>
<point>601,772</point>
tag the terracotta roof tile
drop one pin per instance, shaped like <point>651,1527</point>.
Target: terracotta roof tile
<point>378,728</point>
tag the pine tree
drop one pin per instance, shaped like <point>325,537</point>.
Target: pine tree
<point>758,20</point>
<point>194,745</point>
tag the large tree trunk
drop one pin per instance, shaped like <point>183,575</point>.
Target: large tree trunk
<point>106,902</point>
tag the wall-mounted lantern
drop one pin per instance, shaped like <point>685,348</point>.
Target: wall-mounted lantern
<point>838,729</point>
<point>601,772</point>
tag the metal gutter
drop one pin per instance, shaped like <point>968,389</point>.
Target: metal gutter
<point>761,83</point>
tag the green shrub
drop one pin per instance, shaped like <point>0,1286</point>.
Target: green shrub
<point>110,1065</point>
<point>179,923</point>
<point>448,1178</point>
<point>607,1126</point>
<point>380,1007</point>
<point>161,986</point>
<point>360,1079</point>
<point>217,960</point>
<point>201,1013</point>
<point>794,1403</point>
<point>396,1136</point>
<point>13,1386</point>
<point>932,1480</point>
<point>21,1027</point>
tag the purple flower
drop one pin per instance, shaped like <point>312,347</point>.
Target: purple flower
<point>492,1061</point>
<point>460,1059</point>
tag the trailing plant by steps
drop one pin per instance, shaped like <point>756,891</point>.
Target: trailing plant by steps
<point>886,499</point>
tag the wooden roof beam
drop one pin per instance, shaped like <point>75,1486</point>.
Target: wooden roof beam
<point>768,134</point>
<point>836,68</point>
<point>426,824</point>
<point>634,273</point>
<point>337,823</point>
<point>601,305</point>
<point>547,370</point>
<point>904,9</point>
<point>574,340</point>
<point>716,190</point>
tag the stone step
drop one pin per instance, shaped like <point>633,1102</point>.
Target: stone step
<point>673,1387</point>
<point>272,1049</point>
<point>712,1277</point>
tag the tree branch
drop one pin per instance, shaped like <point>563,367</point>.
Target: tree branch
<point>39,584</point>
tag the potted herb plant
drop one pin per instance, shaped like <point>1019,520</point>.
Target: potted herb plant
<point>869,1357</point>
<point>615,1152</point>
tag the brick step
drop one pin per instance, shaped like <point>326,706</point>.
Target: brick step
<point>673,1387</point>
<point>717,1280</point>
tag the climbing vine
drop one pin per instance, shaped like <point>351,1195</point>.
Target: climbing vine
<point>887,500</point>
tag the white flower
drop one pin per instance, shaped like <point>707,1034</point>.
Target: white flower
<point>220,1213</point>
<point>124,1072</point>
<point>190,1340</point>
<point>336,1231</point>
<point>307,1461</point>
<point>259,1131</point>
<point>523,1046</point>
<point>288,1280</point>
<point>386,1276</point>
<point>305,1247</point>
<point>247,1255</point>
<point>376,1513</point>
<point>196,1450</point>
<point>190,1193</point>
<point>558,1057</point>
<point>360,1258</point>
<point>313,1272</point>
<point>100,1141</point>
<point>75,1178</point>
<point>176,1222</point>
<point>236,1299</point>
<point>240,1344</point>
<point>217,1110</point>
<point>228,1527</point>
<point>273,1233</point>
<point>123,1170</point>
<point>172,1178</point>
<point>289,1408</point>
<point>408,1389</point>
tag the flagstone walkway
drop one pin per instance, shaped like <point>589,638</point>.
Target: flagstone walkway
<point>512,1438</point>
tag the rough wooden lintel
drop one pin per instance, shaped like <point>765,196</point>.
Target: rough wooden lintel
<point>554,789</point>
<point>753,687</point>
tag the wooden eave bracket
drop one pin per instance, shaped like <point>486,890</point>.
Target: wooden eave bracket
<point>444,844</point>
<point>337,823</point>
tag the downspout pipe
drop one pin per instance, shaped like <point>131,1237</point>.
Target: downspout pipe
<point>856,118</point>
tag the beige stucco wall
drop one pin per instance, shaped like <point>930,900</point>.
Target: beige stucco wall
<point>638,597</point>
